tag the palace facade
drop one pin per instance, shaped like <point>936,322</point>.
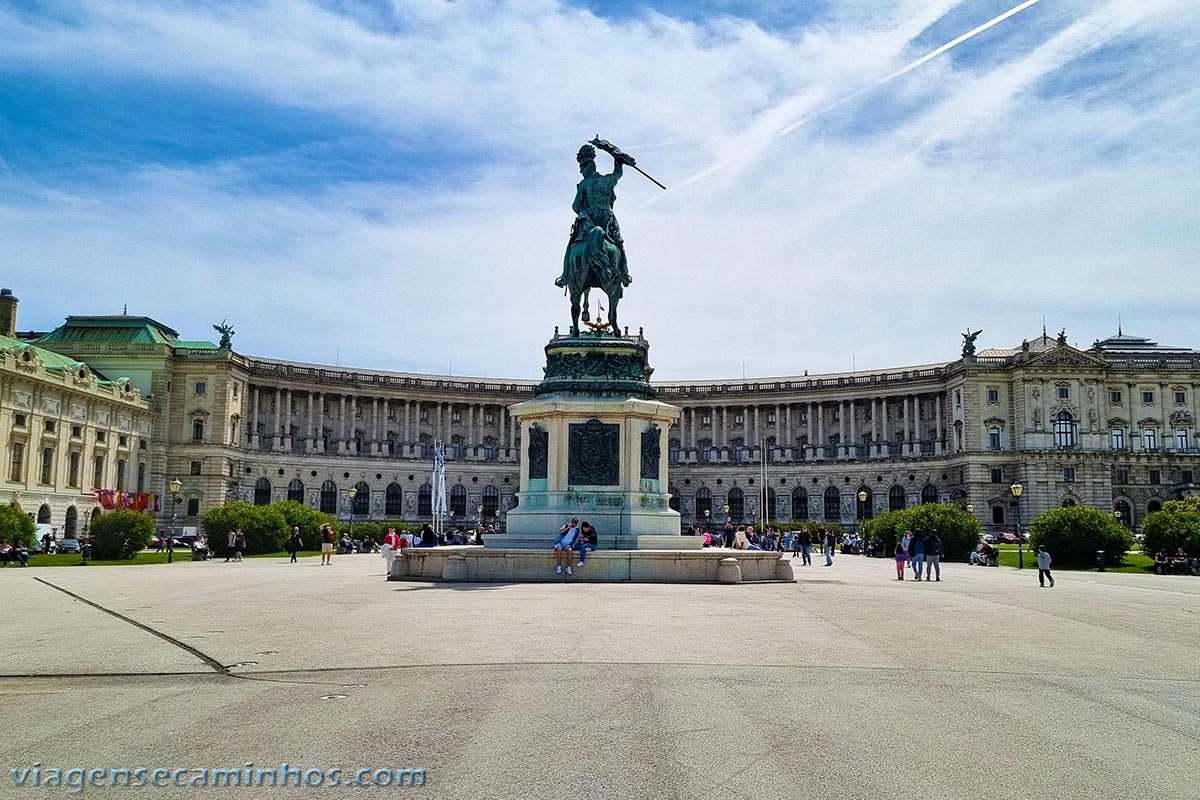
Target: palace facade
<point>122,404</point>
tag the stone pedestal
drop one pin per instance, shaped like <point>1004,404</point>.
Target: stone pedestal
<point>595,447</point>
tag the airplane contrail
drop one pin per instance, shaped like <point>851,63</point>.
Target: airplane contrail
<point>932,54</point>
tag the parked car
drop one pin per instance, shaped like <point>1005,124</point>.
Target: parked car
<point>1007,538</point>
<point>68,546</point>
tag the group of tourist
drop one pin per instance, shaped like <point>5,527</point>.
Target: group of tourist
<point>917,550</point>
<point>14,552</point>
<point>1178,564</point>
<point>574,537</point>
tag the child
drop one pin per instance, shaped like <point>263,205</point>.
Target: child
<point>1044,568</point>
<point>901,560</point>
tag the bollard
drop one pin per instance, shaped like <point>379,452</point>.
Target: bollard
<point>1100,560</point>
<point>729,571</point>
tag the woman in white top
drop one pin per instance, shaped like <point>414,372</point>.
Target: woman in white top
<point>740,539</point>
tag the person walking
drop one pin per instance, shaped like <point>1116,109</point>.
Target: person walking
<point>805,537</point>
<point>1043,559</point>
<point>391,543</point>
<point>239,544</point>
<point>795,543</point>
<point>916,551</point>
<point>730,534</point>
<point>828,541</point>
<point>933,555</point>
<point>230,543</point>
<point>901,560</point>
<point>294,543</point>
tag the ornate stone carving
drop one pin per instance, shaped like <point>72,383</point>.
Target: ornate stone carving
<point>538,450</point>
<point>651,451</point>
<point>22,400</point>
<point>593,454</point>
<point>1181,418</point>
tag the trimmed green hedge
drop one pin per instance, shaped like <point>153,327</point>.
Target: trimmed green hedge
<point>17,526</point>
<point>958,530</point>
<point>265,527</point>
<point>1072,536</point>
<point>120,534</point>
<point>1176,525</point>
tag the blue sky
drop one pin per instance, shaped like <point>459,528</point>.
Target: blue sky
<point>389,184</point>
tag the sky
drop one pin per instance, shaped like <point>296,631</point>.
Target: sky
<point>388,184</point>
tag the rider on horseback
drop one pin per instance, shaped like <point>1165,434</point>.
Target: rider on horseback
<point>593,207</point>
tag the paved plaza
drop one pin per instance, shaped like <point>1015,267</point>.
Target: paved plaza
<point>846,684</point>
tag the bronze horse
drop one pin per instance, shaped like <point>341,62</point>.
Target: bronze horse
<point>593,262</point>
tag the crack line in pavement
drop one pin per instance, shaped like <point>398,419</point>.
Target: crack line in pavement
<point>217,666</point>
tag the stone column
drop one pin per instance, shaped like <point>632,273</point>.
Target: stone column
<point>319,424</point>
<point>406,442</point>
<point>820,431</point>
<point>277,421</point>
<point>907,448</point>
<point>724,428</point>
<point>887,428</point>
<point>811,439</point>
<point>254,438</point>
<point>791,440</point>
<point>853,432</point>
<point>309,439</point>
<point>341,428</point>
<point>437,425</point>
<point>874,427</point>
<point>841,448</point>
<point>289,444</point>
<point>939,445</point>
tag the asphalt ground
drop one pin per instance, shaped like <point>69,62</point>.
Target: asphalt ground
<point>846,684</point>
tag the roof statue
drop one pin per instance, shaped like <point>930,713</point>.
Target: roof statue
<point>226,330</point>
<point>968,348</point>
<point>595,256</point>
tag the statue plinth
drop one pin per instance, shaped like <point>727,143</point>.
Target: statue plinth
<point>594,446</point>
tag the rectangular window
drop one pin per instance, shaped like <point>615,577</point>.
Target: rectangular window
<point>706,420</point>
<point>201,387</point>
<point>456,417</point>
<point>489,418</point>
<point>101,436</point>
<point>120,475</point>
<point>47,465</point>
<point>673,455</point>
<point>1150,439</point>
<point>738,419</point>
<point>1181,439</point>
<point>49,426</point>
<point>770,417</point>
<point>739,453</point>
<point>98,472</point>
<point>1064,393</point>
<point>19,420</point>
<point>958,398</point>
<point>1122,476</point>
<point>122,441</point>
<point>195,467</point>
<point>141,477</point>
<point>76,432</point>
<point>193,506</point>
<point>1147,397</point>
<point>18,461</point>
<point>1117,438</point>
<point>424,415</point>
<point>1114,396</point>
<point>1180,398</point>
<point>706,453</point>
<point>1186,477</point>
<point>198,430</point>
<point>997,475</point>
<point>997,515</point>
<point>141,444</point>
<point>73,470</point>
<point>993,395</point>
<point>1155,477</point>
<point>1069,474</point>
<point>993,438</point>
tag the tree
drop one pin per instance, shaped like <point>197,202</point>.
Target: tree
<point>120,534</point>
<point>308,520</point>
<point>1176,525</point>
<point>17,526</point>
<point>1072,536</point>
<point>264,527</point>
<point>958,530</point>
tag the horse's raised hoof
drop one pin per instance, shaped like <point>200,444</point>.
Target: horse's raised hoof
<point>559,282</point>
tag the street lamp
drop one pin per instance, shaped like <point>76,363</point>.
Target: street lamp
<point>862,505</point>
<point>971,509</point>
<point>727,512</point>
<point>707,514</point>
<point>174,487</point>
<point>352,492</point>
<point>1016,490</point>
<point>479,512</point>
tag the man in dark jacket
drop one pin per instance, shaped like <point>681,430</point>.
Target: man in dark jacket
<point>933,554</point>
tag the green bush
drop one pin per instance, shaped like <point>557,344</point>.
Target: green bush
<point>17,526</point>
<point>264,527</point>
<point>376,530</point>
<point>958,530</point>
<point>308,520</point>
<point>1176,525</point>
<point>120,534</point>
<point>1072,536</point>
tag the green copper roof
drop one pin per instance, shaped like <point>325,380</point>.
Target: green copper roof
<point>195,345</point>
<point>51,359</point>
<point>121,329</point>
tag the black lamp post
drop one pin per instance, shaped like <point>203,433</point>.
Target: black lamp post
<point>174,487</point>
<point>862,508</point>
<point>707,514</point>
<point>1016,490</point>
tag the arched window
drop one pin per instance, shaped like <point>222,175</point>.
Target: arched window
<point>833,504</point>
<point>43,516</point>
<point>1064,430</point>
<point>772,510</point>
<point>262,492</point>
<point>799,504</point>
<point>896,498</point>
<point>704,503</point>
<point>1069,503</point>
<point>362,499</point>
<point>928,494</point>
<point>329,497</point>
<point>1153,506</point>
<point>425,501</point>
<point>490,502</point>
<point>393,500</point>
<point>737,505</point>
<point>296,491</point>
<point>458,501</point>
<point>864,507</point>
<point>1125,512</point>
<point>72,522</point>
<point>673,500</point>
